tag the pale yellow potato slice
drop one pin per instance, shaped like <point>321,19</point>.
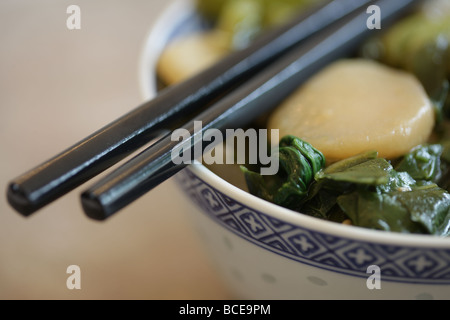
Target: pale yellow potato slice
<point>189,55</point>
<point>357,105</point>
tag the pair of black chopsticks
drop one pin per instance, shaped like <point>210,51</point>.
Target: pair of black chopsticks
<point>266,72</point>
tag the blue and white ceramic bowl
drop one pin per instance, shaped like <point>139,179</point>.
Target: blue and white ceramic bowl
<point>264,251</point>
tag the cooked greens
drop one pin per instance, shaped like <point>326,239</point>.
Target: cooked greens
<point>365,189</point>
<point>424,209</point>
<point>299,162</point>
<point>424,163</point>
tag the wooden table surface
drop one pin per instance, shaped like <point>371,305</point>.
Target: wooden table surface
<point>56,87</point>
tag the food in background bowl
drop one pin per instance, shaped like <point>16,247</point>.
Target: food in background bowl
<point>227,25</point>
<point>267,251</point>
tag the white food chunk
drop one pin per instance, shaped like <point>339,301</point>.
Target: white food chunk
<point>191,54</point>
<point>357,105</point>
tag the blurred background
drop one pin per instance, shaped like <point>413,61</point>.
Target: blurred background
<point>56,87</point>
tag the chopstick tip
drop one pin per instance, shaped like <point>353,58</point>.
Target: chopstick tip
<point>93,208</point>
<point>18,199</point>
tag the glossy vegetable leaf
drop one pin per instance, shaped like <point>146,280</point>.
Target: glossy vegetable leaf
<point>423,162</point>
<point>429,163</point>
<point>324,178</point>
<point>398,181</point>
<point>314,157</point>
<point>428,205</point>
<point>343,177</point>
<point>424,209</point>
<point>299,162</point>
<point>348,163</point>
<point>379,197</point>
<point>324,206</point>
<point>377,211</point>
<point>371,172</point>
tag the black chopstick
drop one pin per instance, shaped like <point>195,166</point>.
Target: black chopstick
<point>104,148</point>
<point>256,96</point>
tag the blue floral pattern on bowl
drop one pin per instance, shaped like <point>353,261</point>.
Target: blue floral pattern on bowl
<point>338,254</point>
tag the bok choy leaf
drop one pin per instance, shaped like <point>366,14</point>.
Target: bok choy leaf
<point>364,189</point>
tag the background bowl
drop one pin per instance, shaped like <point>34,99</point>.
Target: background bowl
<point>264,251</point>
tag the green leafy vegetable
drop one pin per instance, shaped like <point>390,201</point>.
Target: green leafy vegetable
<point>299,162</point>
<point>365,188</point>
<point>371,172</point>
<point>428,163</point>
<point>378,211</point>
<point>424,209</point>
<point>380,197</point>
<point>423,163</point>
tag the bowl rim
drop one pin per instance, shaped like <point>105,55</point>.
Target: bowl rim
<point>154,42</point>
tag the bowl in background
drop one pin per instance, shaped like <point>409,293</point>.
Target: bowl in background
<point>264,251</point>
